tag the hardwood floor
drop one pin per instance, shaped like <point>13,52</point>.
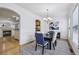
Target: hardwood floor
<point>9,46</point>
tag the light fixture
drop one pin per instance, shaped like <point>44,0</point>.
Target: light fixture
<point>47,18</point>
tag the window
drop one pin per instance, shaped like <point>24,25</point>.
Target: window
<point>75,26</point>
<point>69,27</point>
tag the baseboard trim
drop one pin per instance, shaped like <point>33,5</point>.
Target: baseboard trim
<point>27,43</point>
<point>70,47</point>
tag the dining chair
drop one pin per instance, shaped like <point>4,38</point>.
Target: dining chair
<point>51,33</point>
<point>54,39</point>
<point>40,41</point>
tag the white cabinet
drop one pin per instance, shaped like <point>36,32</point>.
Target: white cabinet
<point>1,34</point>
<point>16,36</point>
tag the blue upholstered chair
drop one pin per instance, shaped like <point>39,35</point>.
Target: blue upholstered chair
<point>40,41</point>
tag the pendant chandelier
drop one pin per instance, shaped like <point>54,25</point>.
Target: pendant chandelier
<point>47,18</point>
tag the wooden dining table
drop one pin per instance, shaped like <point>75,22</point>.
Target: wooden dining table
<point>47,37</point>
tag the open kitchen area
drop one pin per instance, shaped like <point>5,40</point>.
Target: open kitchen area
<point>9,23</point>
<point>9,29</point>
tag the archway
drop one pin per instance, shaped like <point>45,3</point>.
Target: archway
<point>9,29</point>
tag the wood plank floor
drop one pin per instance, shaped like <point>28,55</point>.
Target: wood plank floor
<point>9,46</point>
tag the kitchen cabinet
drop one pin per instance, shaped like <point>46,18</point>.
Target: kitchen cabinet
<point>16,36</point>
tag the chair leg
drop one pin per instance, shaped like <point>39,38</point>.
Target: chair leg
<point>36,47</point>
<point>47,46</point>
<point>56,43</point>
<point>42,50</point>
<point>54,46</point>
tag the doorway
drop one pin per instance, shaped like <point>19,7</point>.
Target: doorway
<point>9,31</point>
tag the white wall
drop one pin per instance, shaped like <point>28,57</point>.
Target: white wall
<point>28,27</point>
<point>27,22</point>
<point>44,26</point>
<point>62,26</point>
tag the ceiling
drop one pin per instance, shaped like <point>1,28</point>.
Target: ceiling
<point>7,13</point>
<point>54,9</point>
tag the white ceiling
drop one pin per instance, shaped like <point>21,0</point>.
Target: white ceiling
<point>54,9</point>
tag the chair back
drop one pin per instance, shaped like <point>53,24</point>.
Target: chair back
<point>39,38</point>
<point>54,36</point>
<point>51,33</point>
